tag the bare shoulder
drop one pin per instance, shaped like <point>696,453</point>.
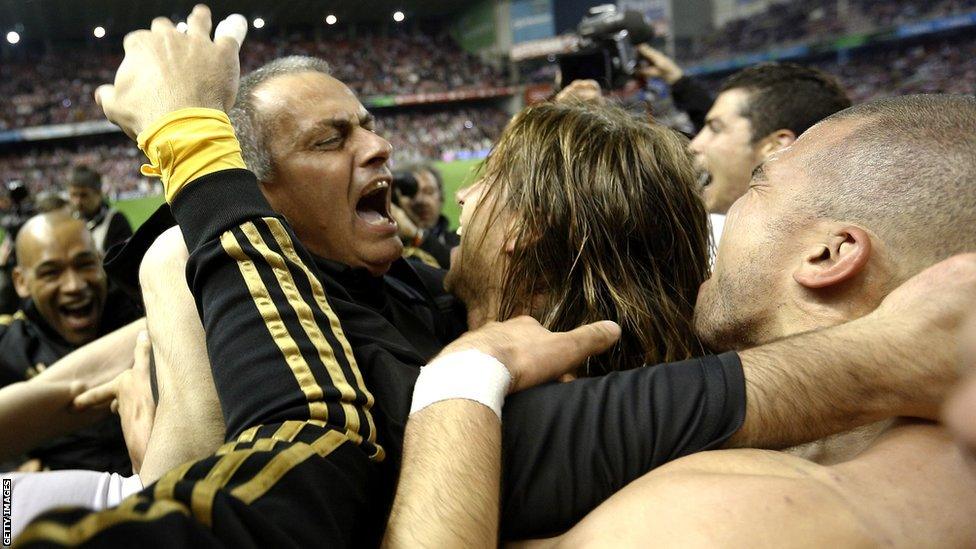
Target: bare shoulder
<point>917,485</point>
<point>727,498</point>
<point>909,489</point>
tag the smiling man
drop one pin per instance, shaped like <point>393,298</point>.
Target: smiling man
<point>59,275</point>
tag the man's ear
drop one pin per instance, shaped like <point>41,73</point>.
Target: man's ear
<point>840,257</point>
<point>20,283</point>
<point>776,141</point>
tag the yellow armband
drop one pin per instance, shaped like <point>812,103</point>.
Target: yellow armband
<point>188,144</point>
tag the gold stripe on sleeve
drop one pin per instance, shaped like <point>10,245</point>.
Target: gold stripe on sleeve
<point>285,461</point>
<point>307,319</point>
<point>167,483</point>
<point>272,320</point>
<point>202,497</point>
<point>318,292</point>
<point>91,525</point>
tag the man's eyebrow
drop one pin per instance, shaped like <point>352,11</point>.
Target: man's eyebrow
<point>342,124</point>
<point>759,174</point>
<point>49,264</point>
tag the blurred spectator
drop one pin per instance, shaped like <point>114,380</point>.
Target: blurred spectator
<point>449,134</point>
<point>107,225</point>
<point>789,23</point>
<point>943,66</point>
<point>45,168</point>
<point>424,227</point>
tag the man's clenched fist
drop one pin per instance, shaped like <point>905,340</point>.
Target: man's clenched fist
<point>165,70</point>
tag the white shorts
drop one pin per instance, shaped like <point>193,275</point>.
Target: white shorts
<point>35,493</point>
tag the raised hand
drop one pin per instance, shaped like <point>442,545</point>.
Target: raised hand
<point>165,70</point>
<point>659,65</point>
<point>582,90</point>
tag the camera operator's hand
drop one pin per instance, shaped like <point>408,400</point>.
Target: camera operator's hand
<point>582,90</point>
<point>165,70</point>
<point>406,228</point>
<point>659,65</point>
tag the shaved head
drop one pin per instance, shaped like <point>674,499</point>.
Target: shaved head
<point>41,230</point>
<point>60,271</point>
<point>904,167</point>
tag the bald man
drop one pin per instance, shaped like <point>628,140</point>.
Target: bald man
<point>60,278</point>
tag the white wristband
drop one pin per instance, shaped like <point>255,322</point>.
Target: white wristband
<point>469,375</point>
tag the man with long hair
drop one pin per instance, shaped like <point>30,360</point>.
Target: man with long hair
<point>583,214</point>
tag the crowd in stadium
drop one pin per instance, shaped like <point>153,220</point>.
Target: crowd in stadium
<point>758,330</point>
<point>441,134</point>
<point>39,91</point>
<point>789,23</point>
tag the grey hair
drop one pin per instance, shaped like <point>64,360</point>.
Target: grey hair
<point>247,121</point>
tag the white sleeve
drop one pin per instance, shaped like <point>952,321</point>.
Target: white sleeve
<point>35,493</point>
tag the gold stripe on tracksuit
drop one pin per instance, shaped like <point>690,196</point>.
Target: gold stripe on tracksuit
<point>91,525</point>
<point>286,432</point>
<point>202,497</point>
<point>272,319</point>
<point>285,461</point>
<point>307,319</point>
<point>167,483</point>
<point>318,292</point>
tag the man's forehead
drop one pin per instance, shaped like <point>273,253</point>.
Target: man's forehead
<point>306,95</point>
<point>62,241</point>
<point>730,103</point>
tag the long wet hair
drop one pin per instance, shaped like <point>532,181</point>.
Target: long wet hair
<point>609,225</point>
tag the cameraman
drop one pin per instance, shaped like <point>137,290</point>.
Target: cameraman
<point>425,231</point>
<point>17,209</point>
<point>108,226</point>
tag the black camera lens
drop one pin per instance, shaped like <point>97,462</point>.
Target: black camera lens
<point>405,184</point>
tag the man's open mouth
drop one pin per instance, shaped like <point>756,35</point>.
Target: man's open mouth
<point>78,314</point>
<point>374,203</point>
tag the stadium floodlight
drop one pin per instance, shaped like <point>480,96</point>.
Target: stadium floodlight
<point>13,37</point>
<point>181,26</point>
<point>99,32</point>
<point>331,19</point>
<point>398,16</point>
<point>258,23</point>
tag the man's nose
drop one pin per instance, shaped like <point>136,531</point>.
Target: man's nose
<point>376,149</point>
<point>73,282</point>
<point>696,144</point>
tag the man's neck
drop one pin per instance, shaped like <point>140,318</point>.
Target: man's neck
<point>478,316</point>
